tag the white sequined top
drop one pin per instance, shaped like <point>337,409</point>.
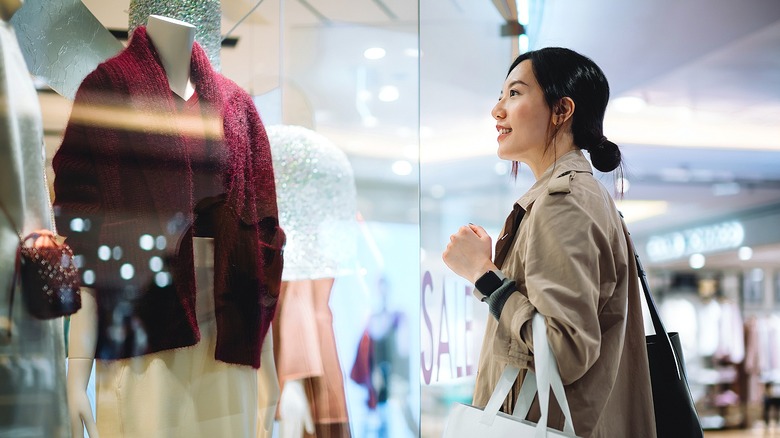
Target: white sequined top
<point>315,189</point>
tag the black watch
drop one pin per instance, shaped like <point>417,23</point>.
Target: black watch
<point>489,282</point>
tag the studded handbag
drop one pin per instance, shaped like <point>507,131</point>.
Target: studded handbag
<point>47,274</point>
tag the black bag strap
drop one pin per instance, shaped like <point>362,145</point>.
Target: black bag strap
<point>658,325</point>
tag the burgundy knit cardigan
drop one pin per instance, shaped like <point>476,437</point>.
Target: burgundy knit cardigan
<point>124,198</point>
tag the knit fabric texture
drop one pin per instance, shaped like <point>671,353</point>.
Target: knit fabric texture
<point>124,198</point>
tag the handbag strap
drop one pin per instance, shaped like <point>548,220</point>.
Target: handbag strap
<point>658,325</point>
<point>503,386</point>
<point>546,377</point>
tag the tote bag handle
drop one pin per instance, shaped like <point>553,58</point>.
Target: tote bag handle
<point>546,377</point>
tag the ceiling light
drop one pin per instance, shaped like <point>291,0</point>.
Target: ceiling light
<point>628,104</point>
<point>402,167</point>
<point>745,253</point>
<point>412,152</point>
<point>426,132</point>
<point>523,43</point>
<point>622,185</point>
<point>388,93</point>
<point>374,53</point>
<point>696,261</point>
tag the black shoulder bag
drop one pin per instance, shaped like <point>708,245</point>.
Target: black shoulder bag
<point>675,412</point>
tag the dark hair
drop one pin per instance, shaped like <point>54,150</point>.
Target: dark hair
<point>565,73</point>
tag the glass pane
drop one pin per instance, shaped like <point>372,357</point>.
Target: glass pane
<point>461,180</point>
<point>350,81</point>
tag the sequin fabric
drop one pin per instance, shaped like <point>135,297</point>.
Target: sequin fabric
<point>315,189</point>
<point>205,15</point>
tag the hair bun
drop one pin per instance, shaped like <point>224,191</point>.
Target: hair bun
<point>605,156</point>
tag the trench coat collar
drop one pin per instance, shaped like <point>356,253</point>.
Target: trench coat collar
<point>573,161</point>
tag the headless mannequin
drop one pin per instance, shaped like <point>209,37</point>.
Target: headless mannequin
<point>313,400</point>
<point>173,40</point>
<point>7,10</point>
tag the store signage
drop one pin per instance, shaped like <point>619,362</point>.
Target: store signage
<point>449,340</point>
<point>701,240</point>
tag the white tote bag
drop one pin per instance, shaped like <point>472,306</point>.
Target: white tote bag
<point>467,421</point>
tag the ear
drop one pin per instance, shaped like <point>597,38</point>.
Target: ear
<point>562,111</point>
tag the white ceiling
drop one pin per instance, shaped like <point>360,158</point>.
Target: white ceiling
<point>708,70</point>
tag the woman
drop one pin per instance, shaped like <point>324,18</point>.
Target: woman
<point>570,258</point>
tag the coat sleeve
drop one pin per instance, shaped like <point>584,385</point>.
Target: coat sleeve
<point>563,283</point>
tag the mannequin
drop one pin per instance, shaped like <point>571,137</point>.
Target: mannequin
<point>207,14</point>
<point>173,40</point>
<point>176,38</point>
<point>28,346</point>
<point>187,370</point>
<point>314,173</point>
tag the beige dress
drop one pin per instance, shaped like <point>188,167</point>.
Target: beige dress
<point>183,392</point>
<point>305,347</point>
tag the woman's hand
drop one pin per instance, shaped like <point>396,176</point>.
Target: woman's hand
<point>468,253</point>
<point>44,239</point>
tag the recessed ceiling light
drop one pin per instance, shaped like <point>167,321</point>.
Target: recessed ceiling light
<point>375,53</point>
<point>622,185</point>
<point>388,93</point>
<point>412,152</point>
<point>523,43</point>
<point>426,132</point>
<point>402,167</point>
<point>412,53</point>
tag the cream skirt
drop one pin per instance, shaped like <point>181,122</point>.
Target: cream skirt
<point>183,392</point>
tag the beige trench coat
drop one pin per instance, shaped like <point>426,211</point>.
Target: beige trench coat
<point>573,263</point>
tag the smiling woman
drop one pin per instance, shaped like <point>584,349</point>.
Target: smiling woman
<point>564,253</point>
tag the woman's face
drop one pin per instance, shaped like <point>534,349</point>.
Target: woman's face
<point>522,116</point>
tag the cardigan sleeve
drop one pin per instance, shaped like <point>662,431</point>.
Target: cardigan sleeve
<point>259,194</point>
<point>77,195</point>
